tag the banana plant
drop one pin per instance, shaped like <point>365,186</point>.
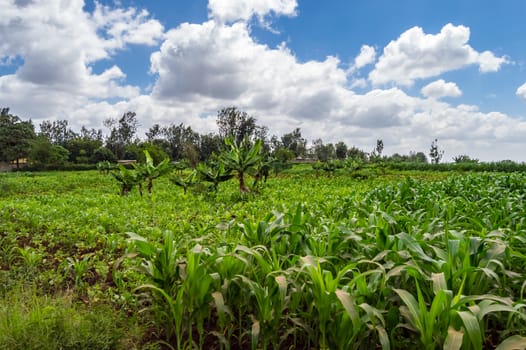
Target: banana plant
<point>267,165</point>
<point>149,171</point>
<point>184,181</point>
<point>214,172</point>
<point>127,179</point>
<point>242,159</point>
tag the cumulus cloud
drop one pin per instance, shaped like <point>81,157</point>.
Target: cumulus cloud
<point>440,88</point>
<point>378,109</point>
<point>57,43</point>
<point>223,65</point>
<point>124,26</point>
<point>417,55</point>
<point>521,91</point>
<point>233,10</point>
<point>200,68</point>
<point>366,56</point>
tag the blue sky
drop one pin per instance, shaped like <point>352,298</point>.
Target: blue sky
<point>404,71</point>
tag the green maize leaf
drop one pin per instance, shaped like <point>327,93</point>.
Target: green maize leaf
<point>412,305</point>
<point>384,338</point>
<point>373,313</point>
<point>440,303</point>
<point>486,309</point>
<point>496,298</point>
<point>349,306</point>
<point>472,328</point>
<point>413,246</point>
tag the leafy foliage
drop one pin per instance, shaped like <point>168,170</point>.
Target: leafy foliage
<point>402,260</point>
<point>15,137</point>
<point>242,158</point>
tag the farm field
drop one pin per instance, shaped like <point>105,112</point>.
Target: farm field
<point>402,260</point>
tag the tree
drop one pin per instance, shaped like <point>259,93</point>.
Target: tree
<point>356,153</point>
<point>82,148</point>
<point>15,137</point>
<point>44,153</point>
<point>156,152</point>
<point>323,152</point>
<point>463,158</point>
<point>237,124</point>
<point>179,138</point>
<point>341,150</point>
<point>57,132</point>
<point>91,134</point>
<point>241,158</point>
<point>154,133</point>
<point>376,153</point>
<point>294,142</point>
<point>209,144</point>
<point>103,154</point>
<point>283,155</point>
<point>122,133</point>
<point>417,157</point>
<point>435,153</point>
<point>379,147</point>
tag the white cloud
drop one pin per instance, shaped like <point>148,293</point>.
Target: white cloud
<point>201,68</point>
<point>233,10</point>
<point>416,55</point>
<point>358,83</point>
<point>57,43</point>
<point>366,56</point>
<point>521,91</point>
<point>440,88</point>
<point>126,26</point>
<point>488,62</point>
<point>222,65</point>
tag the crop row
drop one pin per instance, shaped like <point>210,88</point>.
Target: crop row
<point>309,262</point>
<point>408,265</point>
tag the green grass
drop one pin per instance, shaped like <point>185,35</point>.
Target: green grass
<point>393,260</point>
<point>32,321</point>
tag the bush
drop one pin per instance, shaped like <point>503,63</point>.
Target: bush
<point>102,154</point>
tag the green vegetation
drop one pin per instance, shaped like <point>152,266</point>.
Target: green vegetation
<point>391,260</point>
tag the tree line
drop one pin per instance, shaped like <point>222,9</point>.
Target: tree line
<point>56,143</point>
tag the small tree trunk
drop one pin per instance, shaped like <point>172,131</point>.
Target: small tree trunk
<point>125,189</point>
<point>150,186</point>
<point>256,180</point>
<point>242,187</point>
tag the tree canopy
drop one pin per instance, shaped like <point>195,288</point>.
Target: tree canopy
<point>15,137</point>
